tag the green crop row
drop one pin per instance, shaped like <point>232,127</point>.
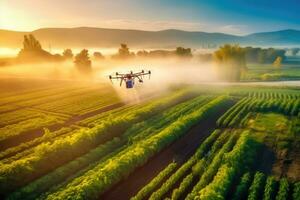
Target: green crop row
<point>92,156</point>
<point>67,148</point>
<point>283,191</point>
<point>257,187</point>
<point>200,152</point>
<point>147,189</point>
<point>270,188</point>
<point>99,179</point>
<point>234,163</point>
<point>29,125</point>
<point>242,188</point>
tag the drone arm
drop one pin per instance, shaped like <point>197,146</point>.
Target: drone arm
<point>140,78</point>
<point>121,82</point>
<point>115,77</point>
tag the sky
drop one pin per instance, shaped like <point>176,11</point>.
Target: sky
<point>237,17</point>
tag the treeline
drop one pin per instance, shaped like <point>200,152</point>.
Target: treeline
<point>32,51</point>
<point>259,55</point>
<point>253,55</point>
<point>179,52</point>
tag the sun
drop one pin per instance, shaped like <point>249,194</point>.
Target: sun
<point>14,19</point>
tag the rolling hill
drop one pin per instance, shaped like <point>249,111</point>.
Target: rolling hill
<point>87,37</point>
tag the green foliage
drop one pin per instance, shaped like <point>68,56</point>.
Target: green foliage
<point>277,62</point>
<point>227,119</point>
<point>87,162</point>
<point>283,191</point>
<point>35,188</point>
<point>29,125</point>
<point>212,167</point>
<point>296,191</point>
<point>238,115</point>
<point>270,188</point>
<point>80,142</point>
<point>193,163</point>
<point>147,189</point>
<point>18,152</point>
<point>242,188</point>
<point>220,185</point>
<point>235,162</point>
<point>99,179</point>
<point>258,55</point>
<point>256,188</point>
<point>185,183</point>
<point>231,61</point>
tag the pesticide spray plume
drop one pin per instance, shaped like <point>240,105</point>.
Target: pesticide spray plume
<point>165,72</point>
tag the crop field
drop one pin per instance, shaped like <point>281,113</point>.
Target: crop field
<point>267,72</point>
<point>65,140</point>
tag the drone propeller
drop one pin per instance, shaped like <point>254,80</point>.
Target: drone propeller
<point>110,78</point>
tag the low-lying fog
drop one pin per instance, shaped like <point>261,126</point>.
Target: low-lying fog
<point>164,72</point>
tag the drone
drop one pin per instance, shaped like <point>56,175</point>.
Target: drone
<point>130,77</point>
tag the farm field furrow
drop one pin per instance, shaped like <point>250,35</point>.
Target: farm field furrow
<point>193,142</point>
<point>85,137</point>
<point>91,156</point>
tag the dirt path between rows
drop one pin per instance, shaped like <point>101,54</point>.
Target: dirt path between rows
<point>180,151</point>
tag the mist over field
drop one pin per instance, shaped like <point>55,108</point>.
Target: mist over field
<point>165,72</point>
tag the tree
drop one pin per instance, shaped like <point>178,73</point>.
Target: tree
<point>259,55</point>
<point>31,44</point>
<point>68,54</point>
<point>142,53</point>
<point>83,62</point>
<point>183,52</point>
<point>123,52</point>
<point>230,61</point>
<point>32,51</point>
<point>98,55</point>
<point>277,62</point>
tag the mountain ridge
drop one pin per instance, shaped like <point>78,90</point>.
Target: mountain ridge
<point>93,37</point>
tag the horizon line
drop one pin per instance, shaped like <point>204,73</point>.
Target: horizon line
<point>77,27</point>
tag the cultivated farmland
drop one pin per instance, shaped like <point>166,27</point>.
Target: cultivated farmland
<point>60,140</point>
